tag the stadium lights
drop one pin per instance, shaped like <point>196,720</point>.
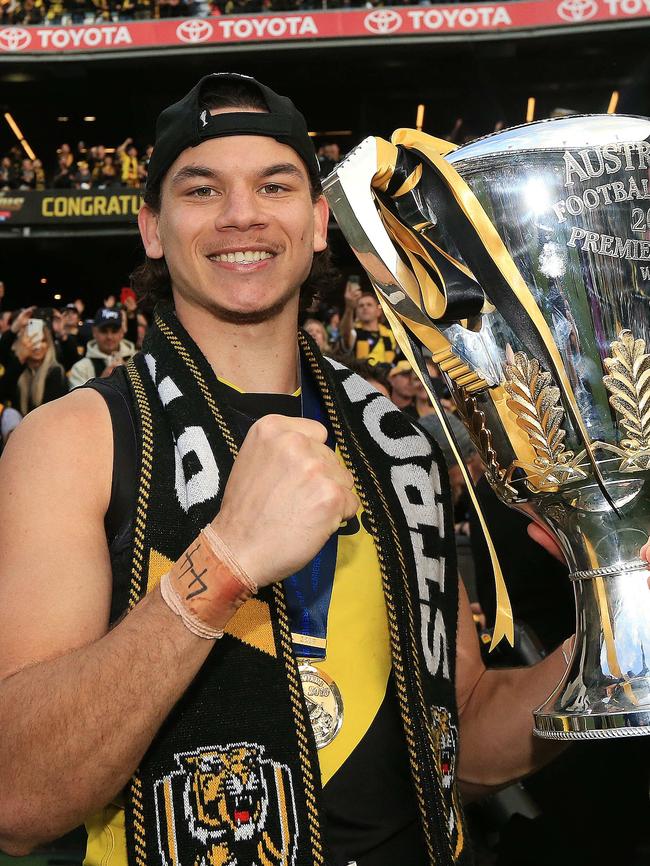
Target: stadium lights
<point>89,118</point>
<point>57,297</point>
<point>530,110</point>
<point>419,120</point>
<point>16,131</point>
<point>63,119</point>
<point>43,280</point>
<point>613,102</point>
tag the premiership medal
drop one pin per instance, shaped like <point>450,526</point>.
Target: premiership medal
<point>324,702</point>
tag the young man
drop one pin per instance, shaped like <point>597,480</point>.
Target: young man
<point>107,350</point>
<point>362,332</point>
<point>320,531</point>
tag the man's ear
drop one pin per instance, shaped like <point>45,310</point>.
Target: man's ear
<point>148,225</point>
<point>321,219</point>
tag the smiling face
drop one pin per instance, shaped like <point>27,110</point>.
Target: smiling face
<point>237,227</point>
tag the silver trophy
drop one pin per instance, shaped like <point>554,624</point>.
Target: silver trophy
<point>522,262</point>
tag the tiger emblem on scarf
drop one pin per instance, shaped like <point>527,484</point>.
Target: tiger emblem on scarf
<point>445,737</point>
<point>226,806</point>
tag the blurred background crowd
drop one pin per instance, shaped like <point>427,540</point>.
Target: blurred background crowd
<point>95,167</point>
<point>99,166</point>
<point>55,12</point>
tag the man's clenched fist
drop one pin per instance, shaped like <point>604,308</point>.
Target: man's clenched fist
<point>287,493</point>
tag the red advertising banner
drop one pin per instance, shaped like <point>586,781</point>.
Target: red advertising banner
<point>335,25</point>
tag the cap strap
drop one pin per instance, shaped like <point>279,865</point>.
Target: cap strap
<point>244,123</point>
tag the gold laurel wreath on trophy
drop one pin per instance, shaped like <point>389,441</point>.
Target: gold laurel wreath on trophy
<point>629,385</point>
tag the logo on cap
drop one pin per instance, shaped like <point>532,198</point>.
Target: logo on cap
<point>383,21</point>
<point>194,30</point>
<point>203,117</point>
<point>14,39</point>
<point>577,10</point>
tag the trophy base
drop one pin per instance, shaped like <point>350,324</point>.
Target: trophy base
<point>605,690</point>
<point>597,727</point>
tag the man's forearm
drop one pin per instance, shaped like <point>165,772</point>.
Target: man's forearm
<point>497,742</point>
<point>75,728</point>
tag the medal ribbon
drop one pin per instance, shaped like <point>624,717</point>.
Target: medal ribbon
<point>309,591</point>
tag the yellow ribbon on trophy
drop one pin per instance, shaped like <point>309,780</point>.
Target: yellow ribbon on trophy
<point>425,286</point>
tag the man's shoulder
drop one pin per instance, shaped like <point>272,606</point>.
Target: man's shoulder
<point>64,445</point>
<point>67,423</point>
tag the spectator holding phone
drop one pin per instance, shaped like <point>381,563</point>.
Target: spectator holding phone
<point>362,333</point>
<point>107,350</point>
<point>36,377</point>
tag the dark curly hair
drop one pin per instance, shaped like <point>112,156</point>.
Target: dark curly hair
<point>151,281</point>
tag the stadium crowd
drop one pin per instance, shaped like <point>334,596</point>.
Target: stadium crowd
<point>99,167</point>
<point>84,168</point>
<point>57,12</point>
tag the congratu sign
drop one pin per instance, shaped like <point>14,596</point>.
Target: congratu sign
<point>18,208</point>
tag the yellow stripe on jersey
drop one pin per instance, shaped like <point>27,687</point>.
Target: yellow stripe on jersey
<point>358,649</point>
<point>233,387</point>
<point>358,659</point>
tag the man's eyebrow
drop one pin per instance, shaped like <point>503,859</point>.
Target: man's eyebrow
<point>281,168</point>
<point>193,171</point>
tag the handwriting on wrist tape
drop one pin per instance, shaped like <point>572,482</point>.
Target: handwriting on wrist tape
<point>203,590</point>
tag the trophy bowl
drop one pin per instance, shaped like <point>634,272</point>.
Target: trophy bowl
<point>522,262</point>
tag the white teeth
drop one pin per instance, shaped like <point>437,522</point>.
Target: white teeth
<point>243,256</point>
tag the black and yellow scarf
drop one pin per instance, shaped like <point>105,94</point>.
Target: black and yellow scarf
<point>232,778</point>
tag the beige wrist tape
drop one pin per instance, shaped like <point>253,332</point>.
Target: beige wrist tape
<point>224,553</point>
<point>205,588</point>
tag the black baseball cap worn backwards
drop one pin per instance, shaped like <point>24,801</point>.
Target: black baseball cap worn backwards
<point>185,124</point>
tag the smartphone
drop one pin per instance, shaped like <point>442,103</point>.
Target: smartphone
<point>35,330</point>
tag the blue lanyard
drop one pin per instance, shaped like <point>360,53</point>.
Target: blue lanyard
<point>309,591</point>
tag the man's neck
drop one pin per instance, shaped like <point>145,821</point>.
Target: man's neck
<point>254,358</point>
